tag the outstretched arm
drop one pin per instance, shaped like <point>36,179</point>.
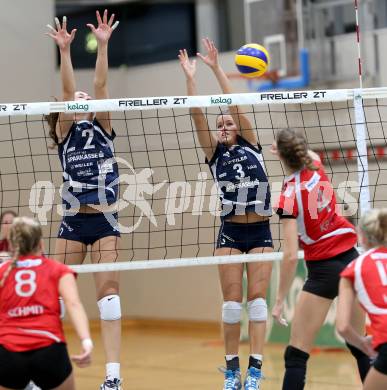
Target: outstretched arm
<point>69,292</point>
<point>102,33</point>
<point>211,59</point>
<point>206,139</point>
<point>63,39</point>
<point>288,266</point>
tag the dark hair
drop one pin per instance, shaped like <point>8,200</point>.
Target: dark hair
<point>293,148</point>
<point>4,213</point>
<point>52,120</point>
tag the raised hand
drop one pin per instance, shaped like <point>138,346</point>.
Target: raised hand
<point>211,58</point>
<point>60,35</point>
<point>105,28</point>
<point>189,67</point>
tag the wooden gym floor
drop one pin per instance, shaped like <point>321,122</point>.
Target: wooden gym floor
<point>171,356</point>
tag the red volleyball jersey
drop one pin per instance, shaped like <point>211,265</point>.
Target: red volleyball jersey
<point>368,273</point>
<point>29,304</point>
<point>309,196</point>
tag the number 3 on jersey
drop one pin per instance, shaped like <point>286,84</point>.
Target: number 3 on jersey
<point>25,283</point>
<point>238,168</point>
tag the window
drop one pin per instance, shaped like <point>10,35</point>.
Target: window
<point>147,33</point>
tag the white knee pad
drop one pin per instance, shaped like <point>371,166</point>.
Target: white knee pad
<point>257,310</point>
<point>232,312</point>
<point>62,308</point>
<point>110,308</point>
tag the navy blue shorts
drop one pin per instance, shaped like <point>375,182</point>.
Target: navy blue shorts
<point>88,227</point>
<point>244,236</point>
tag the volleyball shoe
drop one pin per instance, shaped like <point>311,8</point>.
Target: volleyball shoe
<point>114,384</point>
<point>253,379</point>
<point>232,379</point>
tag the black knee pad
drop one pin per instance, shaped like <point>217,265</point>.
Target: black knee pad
<point>294,357</point>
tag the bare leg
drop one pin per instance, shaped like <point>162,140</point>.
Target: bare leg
<point>309,316</point>
<point>362,360</point>
<point>375,380</point>
<point>231,283</point>
<point>258,276</point>
<point>69,252</point>
<point>107,283</point>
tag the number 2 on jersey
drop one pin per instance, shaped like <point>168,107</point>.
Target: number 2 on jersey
<point>89,134</point>
<point>25,283</point>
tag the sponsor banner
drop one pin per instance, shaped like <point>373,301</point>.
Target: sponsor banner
<point>14,109</point>
<point>147,103</point>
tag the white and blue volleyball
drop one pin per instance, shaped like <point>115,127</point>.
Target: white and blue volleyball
<point>252,60</point>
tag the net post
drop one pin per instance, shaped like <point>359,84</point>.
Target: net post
<point>362,157</point>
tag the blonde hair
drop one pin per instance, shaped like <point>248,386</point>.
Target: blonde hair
<point>374,226</point>
<point>25,235</point>
<point>293,148</point>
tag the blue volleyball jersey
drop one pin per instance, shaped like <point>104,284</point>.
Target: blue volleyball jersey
<point>90,171</point>
<point>241,179</point>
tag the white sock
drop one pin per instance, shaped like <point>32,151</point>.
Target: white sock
<point>230,357</point>
<point>257,357</point>
<point>113,370</point>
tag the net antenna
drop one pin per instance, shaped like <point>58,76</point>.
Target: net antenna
<point>358,45</point>
<point>361,130</point>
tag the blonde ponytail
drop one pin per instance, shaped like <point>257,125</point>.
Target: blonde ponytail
<point>25,236</point>
<point>374,226</point>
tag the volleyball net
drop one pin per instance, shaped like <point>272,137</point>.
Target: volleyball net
<point>168,203</point>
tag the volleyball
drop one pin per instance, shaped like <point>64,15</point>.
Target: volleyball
<point>252,60</point>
